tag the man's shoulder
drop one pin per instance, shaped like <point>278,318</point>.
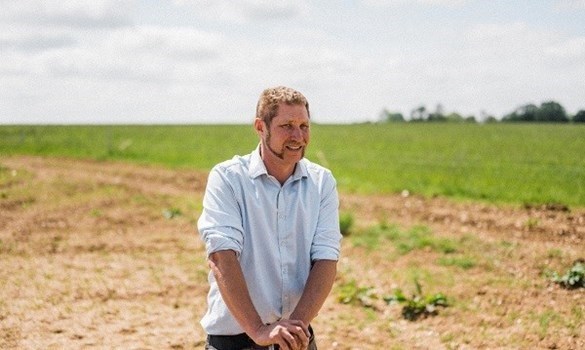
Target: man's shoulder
<point>315,169</point>
<point>236,165</point>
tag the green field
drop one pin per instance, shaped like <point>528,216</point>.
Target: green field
<point>501,163</point>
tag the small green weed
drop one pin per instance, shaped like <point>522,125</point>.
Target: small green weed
<point>555,253</point>
<point>575,322</point>
<point>463,262</point>
<point>544,321</point>
<point>352,294</point>
<point>532,223</point>
<point>418,305</point>
<point>55,244</point>
<point>345,223</point>
<point>574,278</point>
<point>6,247</point>
<point>172,213</point>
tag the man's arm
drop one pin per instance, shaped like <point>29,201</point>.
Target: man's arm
<point>317,289</point>
<point>288,334</point>
<point>324,252</point>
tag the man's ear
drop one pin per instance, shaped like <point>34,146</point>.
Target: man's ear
<point>259,126</point>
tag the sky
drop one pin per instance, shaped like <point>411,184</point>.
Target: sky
<point>207,61</point>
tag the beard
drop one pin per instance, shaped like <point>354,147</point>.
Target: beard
<point>278,154</point>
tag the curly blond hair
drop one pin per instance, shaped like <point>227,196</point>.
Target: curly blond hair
<point>270,99</point>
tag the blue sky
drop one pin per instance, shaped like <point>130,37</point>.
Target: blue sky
<point>206,61</point>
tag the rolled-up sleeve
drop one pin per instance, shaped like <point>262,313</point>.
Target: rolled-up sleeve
<point>220,223</point>
<point>327,241</point>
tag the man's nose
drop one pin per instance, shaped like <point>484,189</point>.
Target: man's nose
<point>296,133</point>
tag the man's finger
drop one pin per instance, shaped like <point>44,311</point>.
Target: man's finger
<point>302,342</point>
<point>300,337</point>
<point>303,335</point>
<point>302,326</point>
<point>290,341</point>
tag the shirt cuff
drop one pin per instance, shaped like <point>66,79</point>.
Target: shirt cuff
<point>216,241</point>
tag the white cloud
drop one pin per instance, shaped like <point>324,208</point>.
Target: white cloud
<point>34,39</point>
<point>390,3</point>
<point>572,49</point>
<point>135,53</point>
<point>272,10</point>
<point>570,4</point>
<point>75,13</point>
<point>246,10</point>
<point>181,43</point>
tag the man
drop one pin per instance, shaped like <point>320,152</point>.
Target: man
<point>270,224</point>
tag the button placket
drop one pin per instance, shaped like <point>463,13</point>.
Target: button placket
<point>281,236</point>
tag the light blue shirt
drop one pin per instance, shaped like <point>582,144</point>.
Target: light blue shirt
<point>277,232</point>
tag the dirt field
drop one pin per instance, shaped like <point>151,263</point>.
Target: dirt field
<point>98,255</point>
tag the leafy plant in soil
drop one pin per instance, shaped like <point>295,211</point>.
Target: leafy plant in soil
<point>574,278</point>
<point>353,294</point>
<point>418,305</point>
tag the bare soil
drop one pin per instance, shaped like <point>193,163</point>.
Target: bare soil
<point>104,255</point>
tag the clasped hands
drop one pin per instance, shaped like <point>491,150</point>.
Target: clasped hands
<point>287,334</point>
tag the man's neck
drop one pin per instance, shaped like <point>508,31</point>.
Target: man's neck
<point>279,171</point>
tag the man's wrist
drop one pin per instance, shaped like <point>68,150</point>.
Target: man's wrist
<point>255,330</point>
<point>299,317</point>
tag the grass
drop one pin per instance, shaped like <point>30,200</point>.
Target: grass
<point>417,237</point>
<point>518,163</point>
<point>173,146</point>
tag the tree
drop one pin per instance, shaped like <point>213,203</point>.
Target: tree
<point>579,117</point>
<point>454,117</point>
<point>527,113</point>
<point>391,117</point>
<point>490,119</point>
<point>485,117</point>
<point>396,117</point>
<point>438,115</point>
<point>418,114</point>
<point>551,111</point>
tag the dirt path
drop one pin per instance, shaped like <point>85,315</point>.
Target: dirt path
<point>103,255</point>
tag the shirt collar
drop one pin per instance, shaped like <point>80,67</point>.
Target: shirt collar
<point>258,168</point>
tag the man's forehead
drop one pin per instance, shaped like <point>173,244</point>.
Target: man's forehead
<point>291,111</point>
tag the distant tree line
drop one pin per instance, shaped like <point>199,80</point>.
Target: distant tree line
<point>547,112</point>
